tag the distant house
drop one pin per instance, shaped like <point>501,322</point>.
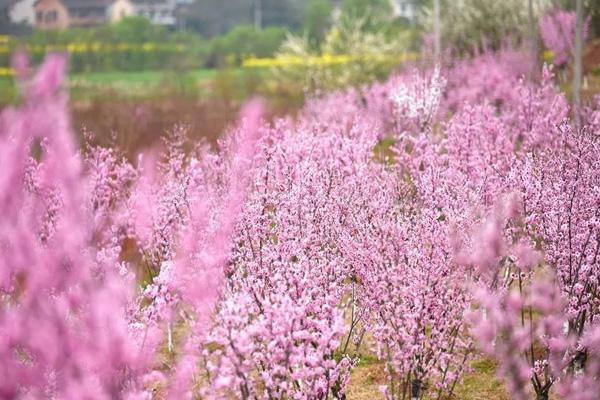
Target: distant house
<point>60,14</point>
<point>51,14</point>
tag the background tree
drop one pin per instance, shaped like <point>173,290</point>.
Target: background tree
<point>4,21</point>
<point>244,41</point>
<point>467,25</point>
<point>317,20</point>
<point>212,18</point>
<point>376,13</point>
<point>578,70</point>
<point>591,10</point>
<point>437,39</point>
<point>136,30</point>
<point>288,13</point>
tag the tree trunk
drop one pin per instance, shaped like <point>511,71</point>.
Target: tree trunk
<point>416,389</point>
<point>533,37</point>
<point>258,14</point>
<point>437,35</point>
<point>578,68</point>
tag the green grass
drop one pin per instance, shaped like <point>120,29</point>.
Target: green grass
<point>8,91</point>
<point>140,83</point>
<point>481,383</point>
<point>84,86</point>
<point>138,77</point>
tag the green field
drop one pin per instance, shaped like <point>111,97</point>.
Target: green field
<point>7,90</point>
<point>138,83</point>
<point>138,77</point>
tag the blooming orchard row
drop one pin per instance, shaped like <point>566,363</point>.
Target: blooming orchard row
<point>426,218</point>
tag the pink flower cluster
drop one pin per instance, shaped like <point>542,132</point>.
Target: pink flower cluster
<point>557,29</point>
<point>63,332</point>
<point>535,256</point>
<point>419,219</point>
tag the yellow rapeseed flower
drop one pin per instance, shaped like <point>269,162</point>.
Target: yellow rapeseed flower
<point>96,47</point>
<point>77,47</point>
<point>149,46</point>
<point>324,59</point>
<point>6,71</point>
<point>548,56</point>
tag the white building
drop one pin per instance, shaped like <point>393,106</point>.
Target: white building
<point>21,12</point>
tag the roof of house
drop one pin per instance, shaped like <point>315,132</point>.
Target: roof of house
<point>152,2</point>
<point>71,4</point>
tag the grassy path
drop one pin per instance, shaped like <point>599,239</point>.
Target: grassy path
<point>479,384</point>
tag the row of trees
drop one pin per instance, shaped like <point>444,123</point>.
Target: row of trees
<point>413,205</point>
<point>216,34</point>
<point>134,44</point>
<point>468,25</point>
<point>314,16</point>
<point>465,24</point>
